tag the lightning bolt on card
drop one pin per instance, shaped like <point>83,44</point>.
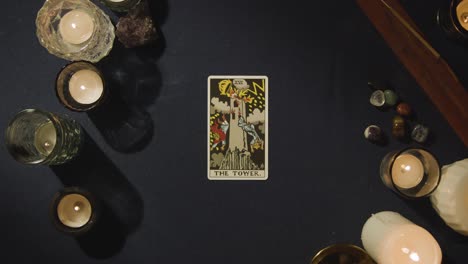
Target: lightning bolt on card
<point>237,127</point>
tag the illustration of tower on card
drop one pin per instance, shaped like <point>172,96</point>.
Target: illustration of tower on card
<point>237,136</point>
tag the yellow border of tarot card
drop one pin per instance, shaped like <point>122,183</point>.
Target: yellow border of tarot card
<point>232,163</point>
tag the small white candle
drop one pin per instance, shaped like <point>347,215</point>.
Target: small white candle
<point>45,138</point>
<point>390,238</point>
<point>86,86</point>
<point>407,171</point>
<point>76,27</point>
<point>74,210</point>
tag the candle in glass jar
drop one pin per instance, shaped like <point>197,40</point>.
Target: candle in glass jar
<point>45,138</point>
<point>407,171</point>
<point>390,238</point>
<point>76,27</point>
<point>74,210</point>
<point>86,86</point>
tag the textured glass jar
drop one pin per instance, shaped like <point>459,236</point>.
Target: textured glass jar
<point>120,5</point>
<point>64,87</point>
<point>51,34</point>
<point>39,137</point>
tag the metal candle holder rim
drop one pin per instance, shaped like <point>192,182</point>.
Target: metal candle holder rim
<point>396,187</point>
<point>95,214</point>
<point>85,107</point>
<point>336,248</point>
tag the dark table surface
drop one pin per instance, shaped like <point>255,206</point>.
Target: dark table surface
<point>324,180</point>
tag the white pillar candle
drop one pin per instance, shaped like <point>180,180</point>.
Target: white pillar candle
<point>76,27</point>
<point>389,238</point>
<point>86,86</point>
<point>450,199</point>
<point>74,210</point>
<point>407,171</point>
<point>45,138</point>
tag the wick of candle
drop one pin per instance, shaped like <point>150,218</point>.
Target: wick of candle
<point>464,17</point>
<point>405,168</point>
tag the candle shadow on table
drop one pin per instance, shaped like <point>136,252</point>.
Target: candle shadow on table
<point>134,82</point>
<point>121,204</point>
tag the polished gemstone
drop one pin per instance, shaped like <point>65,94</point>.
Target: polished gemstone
<point>403,109</point>
<point>377,98</point>
<point>420,133</point>
<point>391,98</point>
<point>373,133</point>
<point>398,127</point>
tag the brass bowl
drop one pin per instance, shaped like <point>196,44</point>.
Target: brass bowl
<point>342,254</point>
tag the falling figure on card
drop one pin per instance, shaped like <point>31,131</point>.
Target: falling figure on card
<point>219,133</point>
<point>256,142</point>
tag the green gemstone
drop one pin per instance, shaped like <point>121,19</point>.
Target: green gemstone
<point>391,98</point>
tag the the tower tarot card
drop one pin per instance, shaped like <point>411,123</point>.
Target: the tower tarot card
<point>237,127</point>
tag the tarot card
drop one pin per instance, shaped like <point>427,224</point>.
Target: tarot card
<point>237,127</point>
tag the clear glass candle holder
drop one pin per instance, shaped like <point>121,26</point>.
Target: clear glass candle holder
<point>80,86</point>
<point>40,137</point>
<point>342,254</point>
<point>74,211</point>
<point>121,5</point>
<point>449,22</point>
<point>75,30</point>
<point>411,172</point>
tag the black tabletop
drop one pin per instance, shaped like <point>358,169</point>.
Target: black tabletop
<point>323,182</point>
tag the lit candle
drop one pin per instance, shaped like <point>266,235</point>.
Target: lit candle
<point>76,27</point>
<point>390,238</point>
<point>74,210</point>
<point>116,1</point>
<point>462,14</point>
<point>45,138</point>
<point>407,171</point>
<point>86,86</point>
<point>450,199</point>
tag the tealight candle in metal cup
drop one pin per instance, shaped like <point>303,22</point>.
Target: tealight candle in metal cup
<point>342,254</point>
<point>121,5</point>
<point>39,137</point>
<point>411,172</point>
<point>74,211</point>
<point>80,86</point>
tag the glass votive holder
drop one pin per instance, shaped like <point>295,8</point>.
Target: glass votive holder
<point>411,172</point>
<point>39,137</point>
<point>74,211</point>
<point>121,5</point>
<point>75,30</point>
<point>80,86</point>
<point>453,20</point>
<point>342,254</point>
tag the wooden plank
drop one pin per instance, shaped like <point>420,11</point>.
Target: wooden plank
<point>431,72</point>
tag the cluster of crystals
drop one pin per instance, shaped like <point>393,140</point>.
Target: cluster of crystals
<point>387,99</point>
<point>94,49</point>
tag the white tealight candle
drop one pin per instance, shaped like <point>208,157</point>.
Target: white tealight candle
<point>389,238</point>
<point>407,171</point>
<point>86,86</point>
<point>45,138</point>
<point>74,210</point>
<point>76,27</point>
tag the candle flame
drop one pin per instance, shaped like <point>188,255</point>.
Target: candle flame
<point>77,208</point>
